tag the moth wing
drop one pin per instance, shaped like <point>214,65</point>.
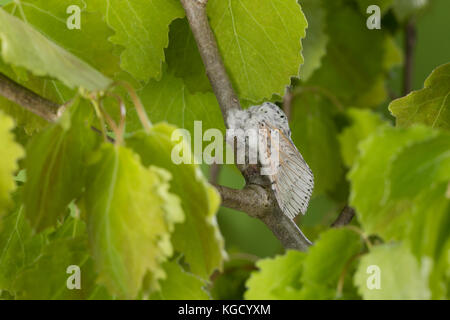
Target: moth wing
<point>293,181</point>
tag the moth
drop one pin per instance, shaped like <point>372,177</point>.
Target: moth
<point>290,177</point>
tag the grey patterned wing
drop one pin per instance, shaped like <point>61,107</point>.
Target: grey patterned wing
<point>293,182</point>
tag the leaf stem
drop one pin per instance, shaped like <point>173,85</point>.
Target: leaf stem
<point>143,118</point>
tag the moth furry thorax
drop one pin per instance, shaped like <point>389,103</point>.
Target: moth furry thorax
<point>290,177</point>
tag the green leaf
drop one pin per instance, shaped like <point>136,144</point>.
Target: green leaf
<point>23,118</point>
<point>368,177</point>
<point>49,17</point>
<point>440,275</point>
<point>18,247</point>
<point>350,68</point>
<point>326,261</point>
<point>142,27</point>
<point>56,165</point>
<point>47,277</point>
<point>363,123</point>
<point>315,43</point>
<point>401,277</point>
<point>204,251</point>
<point>377,93</point>
<point>8,163</point>
<point>277,277</point>
<point>315,135</point>
<point>170,100</point>
<point>183,58</point>
<point>130,215</point>
<point>430,106</point>
<point>260,43</point>
<point>180,285</point>
<point>25,47</point>
<point>419,166</point>
<point>431,222</point>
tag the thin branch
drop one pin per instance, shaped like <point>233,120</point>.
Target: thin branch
<point>215,70</point>
<point>410,43</point>
<point>29,100</point>
<point>214,173</point>
<point>344,218</point>
<point>253,200</point>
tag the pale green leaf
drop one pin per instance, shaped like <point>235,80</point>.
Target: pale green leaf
<point>25,47</point>
<point>363,123</point>
<point>328,256</point>
<point>142,27</point>
<point>130,215</point>
<point>50,17</point>
<point>276,277</point>
<point>46,278</point>
<point>369,187</point>
<point>419,166</point>
<point>198,238</point>
<point>8,163</point>
<point>401,277</point>
<point>18,247</point>
<point>180,285</point>
<point>431,222</point>
<point>326,261</point>
<point>56,165</point>
<point>260,42</point>
<point>430,105</point>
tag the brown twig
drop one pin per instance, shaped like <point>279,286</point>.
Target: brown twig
<point>253,200</point>
<point>29,100</point>
<point>344,218</point>
<point>214,172</point>
<point>410,43</point>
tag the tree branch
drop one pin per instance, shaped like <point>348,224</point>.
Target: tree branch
<point>254,199</point>
<point>215,70</point>
<point>27,99</point>
<point>410,43</point>
<point>344,218</point>
<point>258,203</point>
